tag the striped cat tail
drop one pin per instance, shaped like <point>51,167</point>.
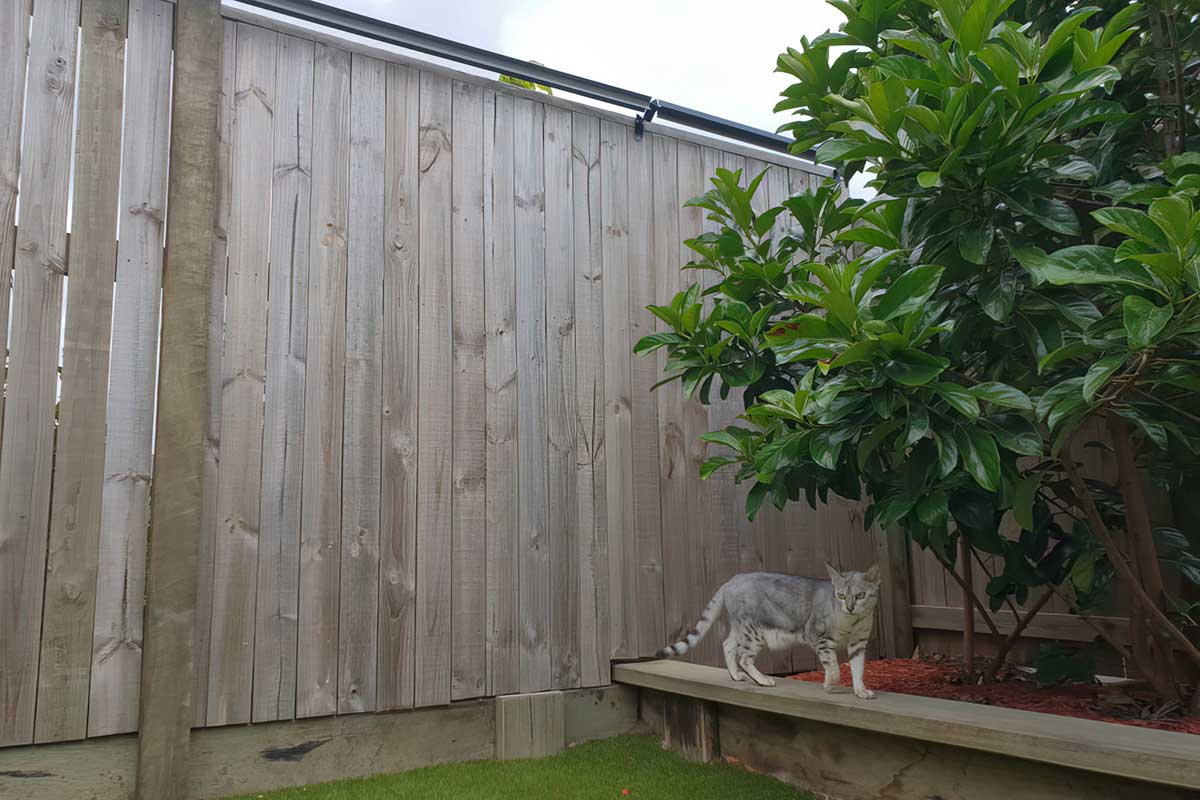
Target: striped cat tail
<point>711,612</point>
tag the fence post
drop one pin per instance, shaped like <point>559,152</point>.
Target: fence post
<point>896,593</point>
<point>165,714</point>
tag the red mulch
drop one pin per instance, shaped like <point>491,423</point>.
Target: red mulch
<point>944,680</point>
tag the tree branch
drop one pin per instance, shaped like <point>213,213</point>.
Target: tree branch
<point>1119,562</point>
<point>962,584</point>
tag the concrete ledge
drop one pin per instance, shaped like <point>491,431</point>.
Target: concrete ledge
<point>1137,754</point>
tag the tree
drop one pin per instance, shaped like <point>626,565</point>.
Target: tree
<point>1030,267</point>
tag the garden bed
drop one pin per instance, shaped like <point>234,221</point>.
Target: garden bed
<point>942,680</point>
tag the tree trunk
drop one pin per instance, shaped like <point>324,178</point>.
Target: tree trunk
<point>968,596</point>
<point>1154,646</point>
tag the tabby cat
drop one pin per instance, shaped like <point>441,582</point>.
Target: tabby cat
<point>777,611</point>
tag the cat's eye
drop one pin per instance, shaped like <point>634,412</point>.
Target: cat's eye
<point>861,594</point>
<point>842,595</point>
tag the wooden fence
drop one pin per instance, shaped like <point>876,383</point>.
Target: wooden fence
<point>434,471</point>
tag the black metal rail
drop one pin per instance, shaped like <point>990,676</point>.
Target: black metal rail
<point>646,106</point>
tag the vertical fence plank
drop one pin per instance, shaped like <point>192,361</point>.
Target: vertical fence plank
<point>435,364</point>
<point>725,514</point>
<point>283,422</point>
<point>398,523</point>
<point>235,552</point>
<point>165,714</point>
<point>120,586</point>
<point>358,624</point>
<point>677,573</point>
<point>647,511</point>
<point>691,172</point>
<point>31,387</point>
<point>216,347</point>
<point>618,425</point>
<point>529,197</point>
<point>560,402</point>
<point>590,490</point>
<point>500,364</point>
<point>66,650</point>
<point>469,599</point>
<point>14,28</point>
<point>324,397</point>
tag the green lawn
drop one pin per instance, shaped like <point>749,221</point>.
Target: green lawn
<point>601,770</point>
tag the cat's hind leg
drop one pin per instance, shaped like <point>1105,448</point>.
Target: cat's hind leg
<point>748,648</point>
<point>828,658</point>
<point>730,647</point>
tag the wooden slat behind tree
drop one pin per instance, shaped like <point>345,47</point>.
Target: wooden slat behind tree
<point>468,531</point>
<point>398,523</point>
<point>678,572</point>
<point>66,648</point>
<point>728,515</point>
<point>647,514</point>
<point>324,398</point>
<point>591,512</point>
<point>704,500</point>
<point>618,422</point>
<point>216,348</point>
<point>278,592</point>
<point>125,516</point>
<point>358,623</point>
<point>434,432</point>
<point>562,533</point>
<point>500,312</point>
<point>14,28</point>
<point>529,239</point>
<point>690,183</point>
<point>25,465</point>
<point>235,556</point>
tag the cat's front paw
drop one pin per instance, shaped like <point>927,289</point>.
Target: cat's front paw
<point>765,680</point>
<point>864,693</point>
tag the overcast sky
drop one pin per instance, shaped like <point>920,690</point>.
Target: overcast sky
<point>715,56</point>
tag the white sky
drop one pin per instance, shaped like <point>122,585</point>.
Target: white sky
<point>714,56</point>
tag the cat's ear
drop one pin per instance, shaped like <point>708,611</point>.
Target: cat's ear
<point>834,575</point>
<point>873,574</point>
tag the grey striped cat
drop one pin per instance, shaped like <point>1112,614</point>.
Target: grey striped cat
<point>777,611</point>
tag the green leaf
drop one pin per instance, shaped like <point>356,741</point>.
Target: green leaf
<point>1083,264</point>
<point>1003,395</point>
<point>974,242</point>
<point>713,464</point>
<point>648,344</point>
<point>871,441</point>
<point>1144,320</point>
<point>914,368</point>
<point>1016,433</point>
<point>909,292</point>
<point>947,454</point>
<point>1131,222</point>
<point>754,499</point>
<point>1173,215</point>
<point>918,424</point>
<point>1099,373</point>
<point>933,509</point>
<point>825,451</point>
<point>959,398</point>
<point>928,180</point>
<point>1023,496</point>
<point>859,351</point>
<point>980,456</point>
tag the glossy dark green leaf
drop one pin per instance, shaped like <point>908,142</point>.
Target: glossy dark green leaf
<point>959,398</point>
<point>909,292</point>
<point>1099,373</point>
<point>1002,394</point>
<point>914,367</point>
<point>1144,320</point>
<point>980,456</point>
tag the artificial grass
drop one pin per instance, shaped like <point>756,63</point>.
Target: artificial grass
<point>602,770</point>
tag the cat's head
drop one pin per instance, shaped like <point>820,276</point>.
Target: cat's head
<point>855,592</point>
